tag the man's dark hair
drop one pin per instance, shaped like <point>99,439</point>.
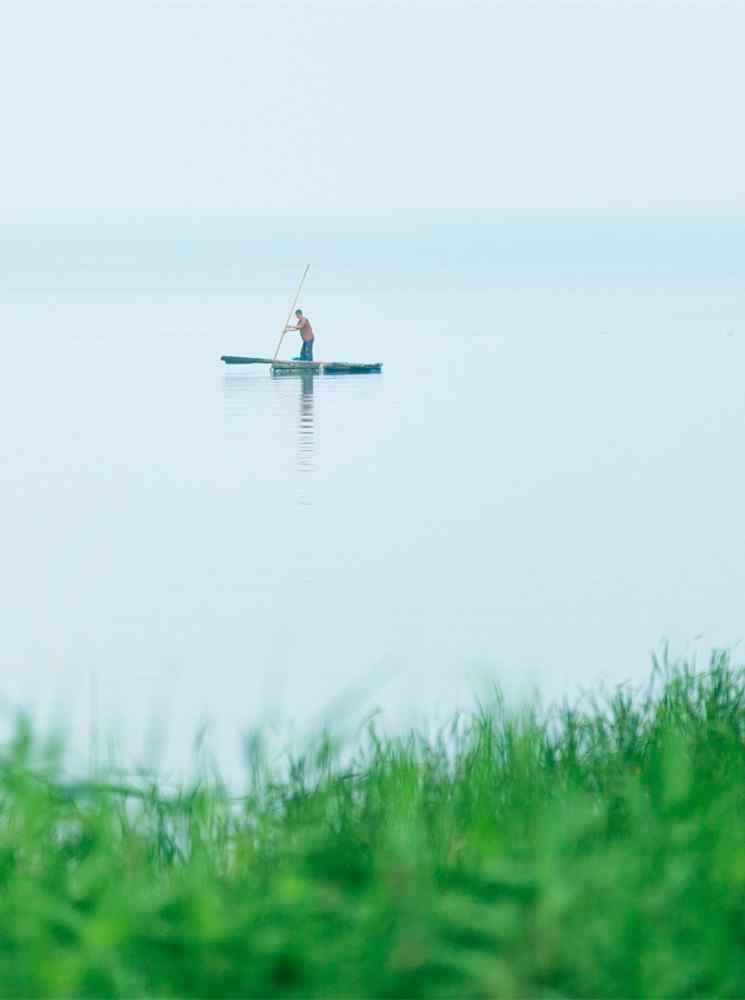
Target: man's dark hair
<point>298,312</point>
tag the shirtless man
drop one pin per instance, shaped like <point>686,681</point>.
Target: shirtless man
<point>305,330</point>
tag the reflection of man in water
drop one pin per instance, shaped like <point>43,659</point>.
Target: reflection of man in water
<point>305,439</point>
<point>305,330</point>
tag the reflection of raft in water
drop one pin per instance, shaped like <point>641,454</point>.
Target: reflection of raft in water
<point>315,367</point>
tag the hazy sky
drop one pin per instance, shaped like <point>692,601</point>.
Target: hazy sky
<point>141,110</point>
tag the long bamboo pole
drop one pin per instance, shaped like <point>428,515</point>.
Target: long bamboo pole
<point>292,310</point>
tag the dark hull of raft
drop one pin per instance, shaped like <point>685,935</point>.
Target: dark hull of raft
<point>315,367</point>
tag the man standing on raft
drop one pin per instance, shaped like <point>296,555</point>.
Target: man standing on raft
<point>305,330</point>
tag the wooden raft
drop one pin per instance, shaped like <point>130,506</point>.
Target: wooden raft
<point>318,367</point>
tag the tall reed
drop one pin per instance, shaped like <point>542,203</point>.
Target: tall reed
<point>594,849</point>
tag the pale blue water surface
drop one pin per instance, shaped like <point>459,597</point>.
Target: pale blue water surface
<point>543,486</point>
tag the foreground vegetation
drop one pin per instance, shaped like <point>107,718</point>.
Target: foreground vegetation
<point>587,851</point>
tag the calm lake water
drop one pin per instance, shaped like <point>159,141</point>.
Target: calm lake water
<point>543,486</point>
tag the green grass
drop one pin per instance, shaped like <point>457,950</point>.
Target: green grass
<point>586,851</point>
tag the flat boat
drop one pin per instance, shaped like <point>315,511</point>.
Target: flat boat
<point>317,367</point>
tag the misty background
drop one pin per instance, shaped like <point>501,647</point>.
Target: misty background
<point>150,144</point>
<point>532,213</point>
